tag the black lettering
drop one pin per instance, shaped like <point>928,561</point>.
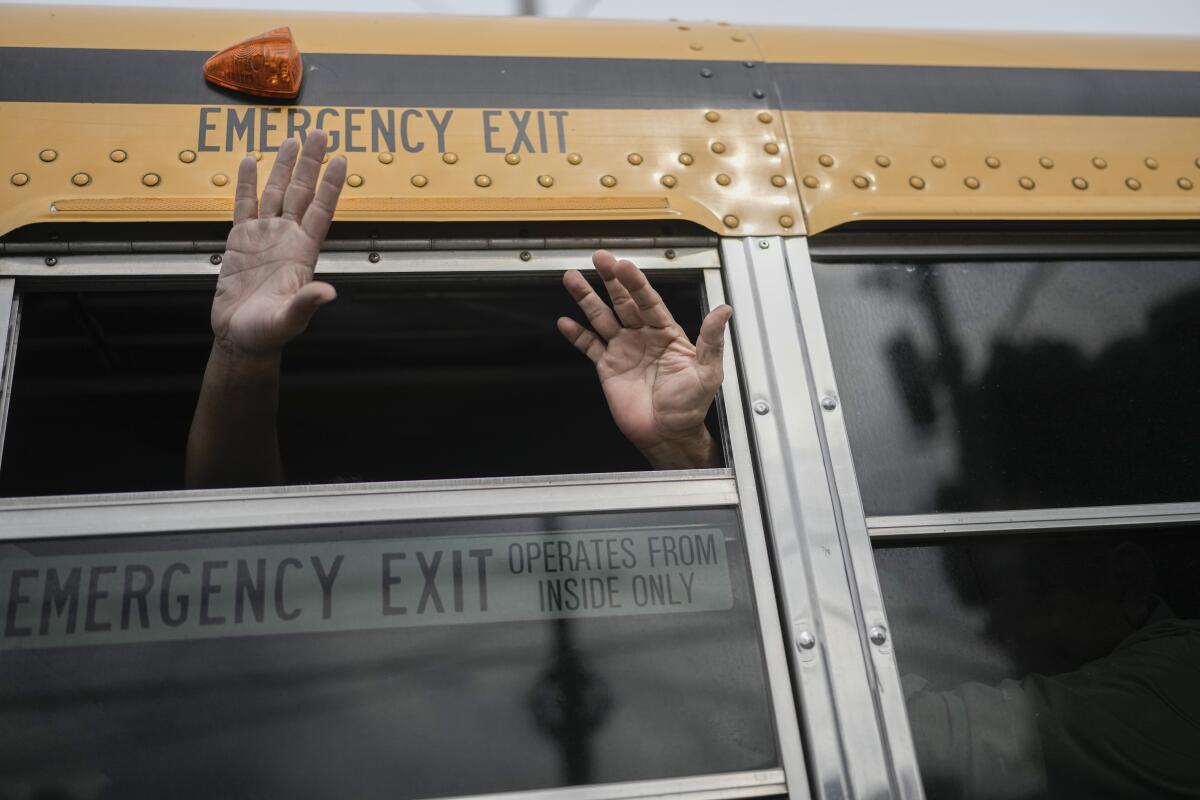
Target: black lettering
<point>521,121</point>
<point>480,555</point>
<point>326,580</point>
<point>129,594</point>
<point>404,117</point>
<point>294,128</point>
<point>265,126</point>
<point>57,595</point>
<point>630,560</point>
<point>388,580</point>
<point>613,591</point>
<point>516,559</point>
<point>440,126</point>
<point>239,127</point>
<point>321,126</point>
<point>688,579</point>
<point>488,130</point>
<point>252,587</point>
<point>708,549</point>
<point>456,573</point>
<point>206,126</point>
<point>541,132</point>
<point>641,595</point>
<point>165,595</point>
<point>429,591</point>
<point>15,599</point>
<point>385,131</point>
<point>94,596</point>
<point>207,590</point>
<point>351,129</point>
<point>562,133</point>
<point>280,570</point>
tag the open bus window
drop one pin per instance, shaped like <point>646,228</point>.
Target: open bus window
<point>382,660</point>
<point>398,379</point>
<point>1037,665</point>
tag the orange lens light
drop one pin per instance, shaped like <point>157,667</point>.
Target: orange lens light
<point>267,65</point>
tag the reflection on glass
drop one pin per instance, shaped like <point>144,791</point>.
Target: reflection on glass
<point>982,386</point>
<point>1040,666</point>
<point>395,660</point>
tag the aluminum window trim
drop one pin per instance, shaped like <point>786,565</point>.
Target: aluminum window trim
<point>424,262</point>
<point>1027,520</point>
<point>787,722</point>
<point>851,247</point>
<point>10,323</point>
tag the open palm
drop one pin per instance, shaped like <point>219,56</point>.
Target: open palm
<point>265,293</point>
<point>657,383</point>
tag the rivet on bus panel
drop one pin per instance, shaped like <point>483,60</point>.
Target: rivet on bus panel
<point>354,181</point>
<point>608,181</point>
<point>483,181</point>
<point>1184,184</point>
<point>187,156</point>
<point>759,94</point>
<point>526,255</point>
<point>373,258</point>
<point>748,64</point>
<point>883,161</point>
<point>706,73</point>
<point>718,147</point>
<point>1197,163</point>
<point>771,148</point>
<point>48,155</point>
<point>151,179</point>
<point>712,116</point>
<point>419,181</point>
<point>992,162</point>
<point>1099,163</point>
<point>1026,183</point>
<point>938,162</point>
<point>1133,183</point>
<point>19,179</point>
<point>765,118</point>
<point>386,158</point>
<point>737,38</point>
<point>811,181</point>
<point>215,259</point>
<point>118,156</point>
<point>825,160</point>
<point>760,406</point>
<point>450,158</point>
<point>669,255</point>
<point>50,261</point>
<point>805,640</point>
<point>971,183</point>
<point>512,158</point>
<point>778,180</point>
<point>1079,183</point>
<point>786,221</point>
<point>81,179</point>
<point>877,634</point>
<point>1151,163</point>
<point>916,182</point>
<point>861,182</point>
<point>686,159</point>
<point>546,180</point>
<point>574,158</point>
<point>697,46</point>
<point>258,156</point>
<point>634,158</point>
<point>723,179</point>
<point>220,179</point>
<point>731,221</point>
<point>829,402</point>
<point>668,181</point>
<point>1046,162</point>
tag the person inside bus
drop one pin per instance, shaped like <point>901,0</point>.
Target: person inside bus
<point>658,385</point>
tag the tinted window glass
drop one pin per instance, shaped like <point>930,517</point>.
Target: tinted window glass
<point>430,659</point>
<point>1048,666</point>
<point>396,380</point>
<point>1017,385</point>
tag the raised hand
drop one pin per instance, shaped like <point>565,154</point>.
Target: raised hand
<point>657,383</point>
<point>265,293</point>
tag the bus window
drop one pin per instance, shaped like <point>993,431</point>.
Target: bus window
<point>383,660</point>
<point>1005,385</point>
<point>398,379</point>
<point>1050,665</point>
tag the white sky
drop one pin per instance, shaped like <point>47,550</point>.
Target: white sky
<point>1153,17</point>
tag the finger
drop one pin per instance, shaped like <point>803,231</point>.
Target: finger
<point>245,199</point>
<point>320,211</point>
<point>650,305</point>
<point>598,313</point>
<point>584,340</point>
<point>627,310</point>
<point>304,180</point>
<point>303,304</point>
<point>277,183</point>
<point>711,343</point>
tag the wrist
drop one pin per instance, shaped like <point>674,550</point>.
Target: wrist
<point>241,364</point>
<point>693,450</point>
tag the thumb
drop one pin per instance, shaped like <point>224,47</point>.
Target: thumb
<point>711,343</point>
<point>303,304</point>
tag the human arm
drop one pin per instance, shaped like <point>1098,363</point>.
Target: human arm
<point>265,297</point>
<point>658,385</point>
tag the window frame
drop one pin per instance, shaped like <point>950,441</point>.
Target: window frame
<point>25,518</point>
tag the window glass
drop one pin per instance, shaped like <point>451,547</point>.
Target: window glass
<point>1043,666</point>
<point>395,660</point>
<point>980,386</point>
<point>400,379</point>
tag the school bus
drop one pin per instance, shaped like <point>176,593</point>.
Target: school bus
<point>950,550</point>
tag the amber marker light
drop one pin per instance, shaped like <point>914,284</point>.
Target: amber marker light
<point>267,65</point>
